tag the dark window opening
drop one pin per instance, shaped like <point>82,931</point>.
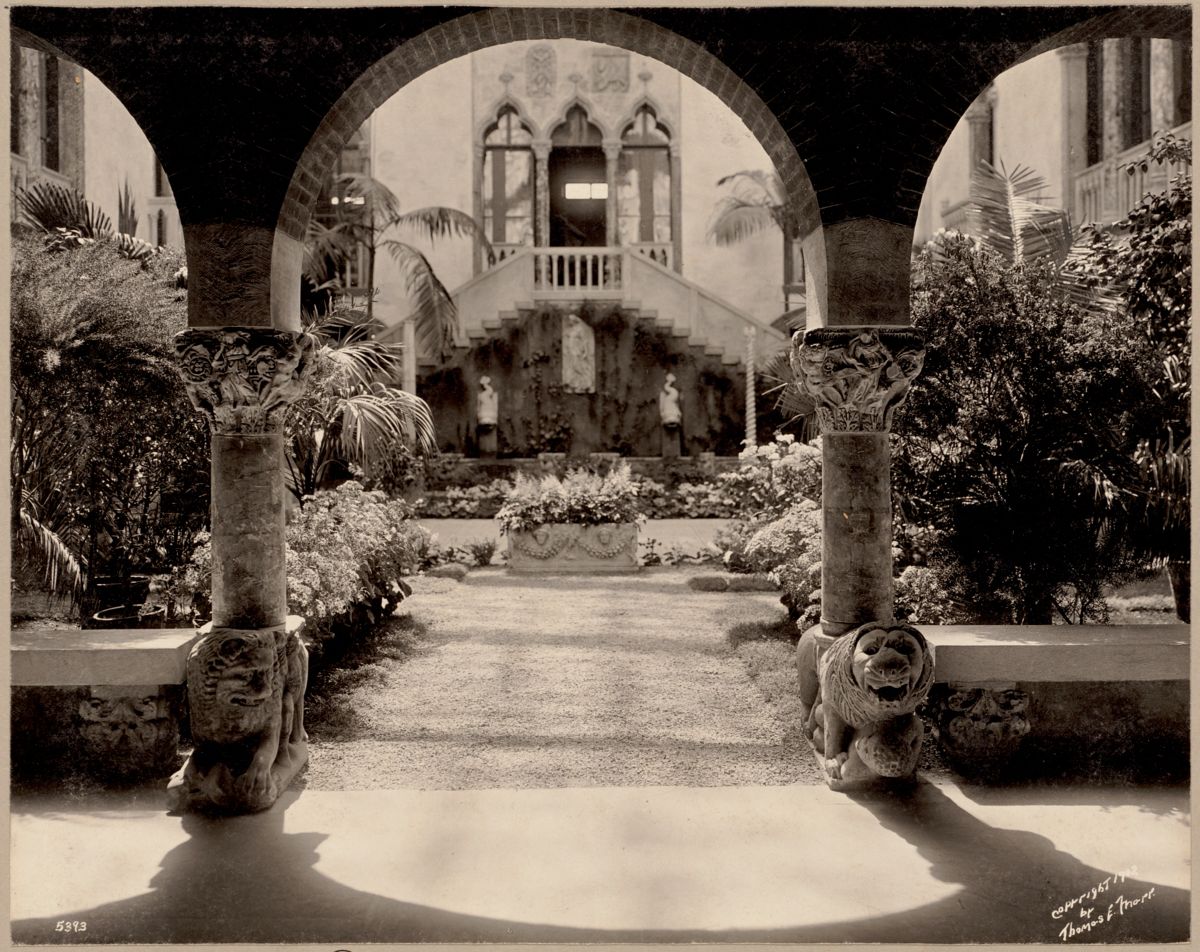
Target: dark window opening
<point>1182,74</point>
<point>1095,102</point>
<point>14,91</point>
<point>162,189</point>
<point>50,131</point>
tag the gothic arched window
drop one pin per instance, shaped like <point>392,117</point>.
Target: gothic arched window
<point>508,180</point>
<point>644,181</point>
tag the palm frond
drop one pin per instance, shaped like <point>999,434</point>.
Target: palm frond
<point>61,569</point>
<point>434,312</point>
<point>1009,218</point>
<point>378,197</point>
<point>49,206</point>
<point>378,416</point>
<point>734,221</point>
<point>438,221</point>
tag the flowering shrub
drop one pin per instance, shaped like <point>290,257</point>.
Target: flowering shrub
<point>922,598</point>
<point>580,498</point>
<point>788,549</point>
<point>773,476</point>
<point>346,551</point>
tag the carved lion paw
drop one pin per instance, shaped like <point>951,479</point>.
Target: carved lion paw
<point>833,766</point>
<point>256,782</point>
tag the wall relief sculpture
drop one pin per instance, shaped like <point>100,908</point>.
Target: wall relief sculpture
<point>856,376</point>
<point>578,355</point>
<point>246,695</point>
<point>541,70</point>
<point>979,728</point>
<point>243,378</point>
<point>859,693</point>
<point>610,71</point>
<point>130,731</point>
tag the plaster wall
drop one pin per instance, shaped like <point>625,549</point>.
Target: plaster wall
<point>1027,130</point>
<point>421,149</point>
<point>715,143</point>
<point>117,151</point>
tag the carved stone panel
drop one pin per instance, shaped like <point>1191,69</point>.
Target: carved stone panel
<point>541,71</point>
<point>857,376</point>
<point>578,355</point>
<point>859,694</point>
<point>246,697</point>
<point>129,731</point>
<point>243,378</point>
<point>979,728</point>
<point>610,71</point>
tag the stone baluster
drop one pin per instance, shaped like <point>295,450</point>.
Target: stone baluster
<point>247,673</point>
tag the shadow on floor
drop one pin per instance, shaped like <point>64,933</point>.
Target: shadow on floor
<point>244,879</point>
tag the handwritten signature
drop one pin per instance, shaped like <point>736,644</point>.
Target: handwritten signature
<point>1087,917</point>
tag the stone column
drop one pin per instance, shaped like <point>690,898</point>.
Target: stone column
<point>857,376</point>
<point>477,259</point>
<point>247,673</point>
<point>1114,103</point>
<point>862,676</point>
<point>1162,86</point>
<point>409,367</point>
<point>541,192</point>
<point>612,160</point>
<point>676,209</point>
<point>1073,65</point>
<point>751,396</point>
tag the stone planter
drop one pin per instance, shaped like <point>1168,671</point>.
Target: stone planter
<point>595,550</point>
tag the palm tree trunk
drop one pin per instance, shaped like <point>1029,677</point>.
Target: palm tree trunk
<point>1180,574</point>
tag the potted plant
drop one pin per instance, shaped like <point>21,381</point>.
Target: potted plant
<point>581,523</point>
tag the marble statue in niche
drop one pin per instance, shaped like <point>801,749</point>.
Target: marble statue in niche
<point>670,416</point>
<point>578,355</point>
<point>486,416</point>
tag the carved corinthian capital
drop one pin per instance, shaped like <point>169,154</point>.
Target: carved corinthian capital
<point>243,378</point>
<point>857,376</point>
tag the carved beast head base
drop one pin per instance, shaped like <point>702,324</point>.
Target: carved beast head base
<point>246,694</point>
<point>859,693</point>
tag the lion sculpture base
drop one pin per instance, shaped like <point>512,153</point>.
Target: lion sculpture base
<point>246,698</point>
<point>859,693</point>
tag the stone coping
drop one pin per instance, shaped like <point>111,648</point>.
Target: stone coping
<point>49,657</point>
<point>980,654</point>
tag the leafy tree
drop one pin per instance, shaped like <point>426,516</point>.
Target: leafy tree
<point>1145,260</point>
<point>91,350</point>
<point>1016,446</point>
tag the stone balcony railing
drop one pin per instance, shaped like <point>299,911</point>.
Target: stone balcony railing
<point>1105,192</point>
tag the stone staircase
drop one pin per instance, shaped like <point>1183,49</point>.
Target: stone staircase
<point>535,277</point>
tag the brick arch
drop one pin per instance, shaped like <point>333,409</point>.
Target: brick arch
<point>476,31</point>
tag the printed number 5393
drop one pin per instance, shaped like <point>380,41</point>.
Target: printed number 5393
<point>70,925</point>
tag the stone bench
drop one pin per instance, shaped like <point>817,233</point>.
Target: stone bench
<point>1099,688</point>
<point>107,700</point>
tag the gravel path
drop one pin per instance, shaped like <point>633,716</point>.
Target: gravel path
<point>555,682</point>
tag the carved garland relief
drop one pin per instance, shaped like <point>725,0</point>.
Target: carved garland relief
<point>857,377</point>
<point>243,378</point>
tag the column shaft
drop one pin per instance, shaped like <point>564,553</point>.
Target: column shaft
<point>856,556</point>
<point>249,572</point>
